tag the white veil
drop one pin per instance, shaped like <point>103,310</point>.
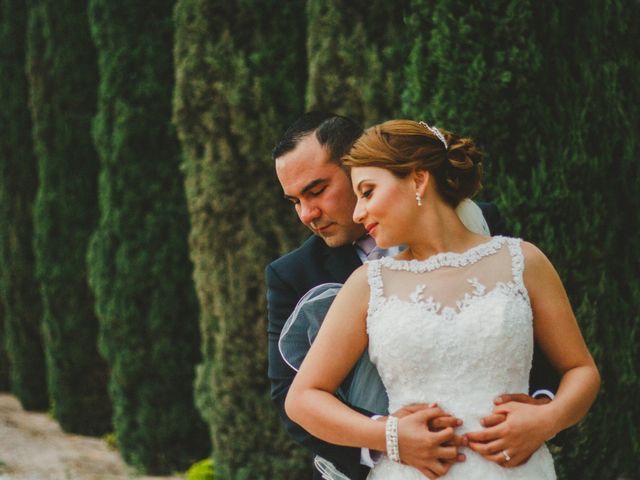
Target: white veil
<point>471,216</point>
<point>363,388</point>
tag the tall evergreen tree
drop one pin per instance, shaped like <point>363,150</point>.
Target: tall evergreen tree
<point>241,74</point>
<point>586,183</point>
<point>18,184</point>
<point>471,68</point>
<point>357,52</point>
<point>546,89</point>
<point>63,81</point>
<point>138,259</point>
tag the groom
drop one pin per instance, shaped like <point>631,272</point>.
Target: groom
<point>307,162</point>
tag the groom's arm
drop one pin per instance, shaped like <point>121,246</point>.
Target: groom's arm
<point>281,301</point>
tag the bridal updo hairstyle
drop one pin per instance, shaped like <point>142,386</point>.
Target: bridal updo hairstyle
<point>402,146</point>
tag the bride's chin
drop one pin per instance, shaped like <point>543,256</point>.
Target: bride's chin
<point>381,243</point>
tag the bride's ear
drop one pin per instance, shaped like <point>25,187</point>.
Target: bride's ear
<point>421,179</point>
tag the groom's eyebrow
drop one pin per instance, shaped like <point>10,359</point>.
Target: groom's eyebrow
<point>312,184</point>
<point>309,186</point>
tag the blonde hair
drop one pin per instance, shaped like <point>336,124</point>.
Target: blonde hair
<point>402,146</point>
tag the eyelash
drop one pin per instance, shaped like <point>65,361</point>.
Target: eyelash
<point>367,193</point>
<point>315,194</point>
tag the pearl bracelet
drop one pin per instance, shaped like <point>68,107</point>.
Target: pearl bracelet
<point>391,435</point>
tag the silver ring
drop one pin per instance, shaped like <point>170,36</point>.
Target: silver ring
<point>506,456</point>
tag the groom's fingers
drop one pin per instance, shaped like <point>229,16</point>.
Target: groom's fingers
<point>484,436</point>
<point>443,422</point>
<point>493,420</point>
<point>429,414</point>
<point>443,436</point>
<point>430,473</point>
<point>458,441</point>
<point>520,398</point>
<point>490,448</point>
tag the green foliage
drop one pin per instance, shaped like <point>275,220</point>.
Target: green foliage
<point>18,184</point>
<point>202,470</point>
<point>469,67</point>
<point>356,55</point>
<point>138,257</point>
<point>63,79</point>
<point>111,440</point>
<point>547,90</point>
<point>240,80</point>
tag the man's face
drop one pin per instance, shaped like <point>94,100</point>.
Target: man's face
<point>321,192</point>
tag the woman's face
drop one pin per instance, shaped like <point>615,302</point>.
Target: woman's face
<point>386,204</point>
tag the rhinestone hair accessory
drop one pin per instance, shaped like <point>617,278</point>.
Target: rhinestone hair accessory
<point>436,132</point>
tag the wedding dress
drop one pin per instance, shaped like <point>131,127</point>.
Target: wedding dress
<point>455,329</point>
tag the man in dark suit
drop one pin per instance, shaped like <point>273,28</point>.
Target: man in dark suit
<point>307,162</point>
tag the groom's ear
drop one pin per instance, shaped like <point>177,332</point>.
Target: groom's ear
<point>421,179</point>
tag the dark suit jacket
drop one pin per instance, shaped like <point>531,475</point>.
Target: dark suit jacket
<point>293,275</point>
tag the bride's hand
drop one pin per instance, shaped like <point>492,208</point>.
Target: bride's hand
<point>435,424</point>
<point>431,452</point>
<point>525,428</point>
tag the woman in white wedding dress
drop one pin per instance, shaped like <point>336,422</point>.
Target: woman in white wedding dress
<point>451,319</point>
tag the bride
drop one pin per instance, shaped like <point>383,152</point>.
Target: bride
<point>451,319</point>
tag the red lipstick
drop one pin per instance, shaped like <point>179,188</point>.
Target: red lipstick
<point>371,228</point>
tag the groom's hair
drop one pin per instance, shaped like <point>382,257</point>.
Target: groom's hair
<point>334,132</point>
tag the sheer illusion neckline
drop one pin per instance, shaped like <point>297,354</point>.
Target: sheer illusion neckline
<point>446,259</point>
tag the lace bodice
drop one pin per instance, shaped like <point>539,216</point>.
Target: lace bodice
<point>455,329</point>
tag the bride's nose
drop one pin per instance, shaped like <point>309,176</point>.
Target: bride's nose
<point>359,212</point>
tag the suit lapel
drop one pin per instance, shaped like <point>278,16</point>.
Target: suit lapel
<point>341,261</point>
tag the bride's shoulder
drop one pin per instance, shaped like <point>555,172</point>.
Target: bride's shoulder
<point>535,260</point>
<point>359,275</point>
<point>355,290</point>
<point>531,252</point>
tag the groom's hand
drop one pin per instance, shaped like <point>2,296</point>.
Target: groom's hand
<point>497,418</point>
<point>436,424</point>
<point>521,398</point>
<point>426,439</point>
<point>518,426</point>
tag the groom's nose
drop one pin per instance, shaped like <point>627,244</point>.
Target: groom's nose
<point>308,212</point>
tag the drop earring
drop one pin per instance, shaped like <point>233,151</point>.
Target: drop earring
<point>418,199</point>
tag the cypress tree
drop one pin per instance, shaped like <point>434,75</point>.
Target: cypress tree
<point>63,81</point>
<point>241,74</point>
<point>471,69</point>
<point>587,182</point>
<point>546,89</point>
<point>139,268</point>
<point>357,51</point>
<point>18,184</point>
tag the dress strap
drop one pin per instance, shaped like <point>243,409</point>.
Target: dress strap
<point>376,287</point>
<point>517,264</point>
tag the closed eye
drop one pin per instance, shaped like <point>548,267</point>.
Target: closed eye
<point>367,193</point>
<point>315,193</point>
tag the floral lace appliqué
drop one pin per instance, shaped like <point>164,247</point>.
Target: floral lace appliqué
<point>417,296</point>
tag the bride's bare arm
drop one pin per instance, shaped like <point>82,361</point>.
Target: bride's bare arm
<point>340,342</point>
<point>311,402</point>
<point>558,334</point>
<point>556,331</point>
